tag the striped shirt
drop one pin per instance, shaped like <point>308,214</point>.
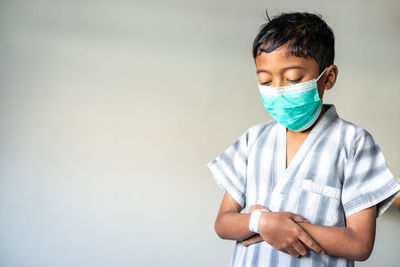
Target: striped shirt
<point>338,171</point>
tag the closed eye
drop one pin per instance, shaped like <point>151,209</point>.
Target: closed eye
<point>265,83</point>
<point>294,81</point>
<point>290,81</point>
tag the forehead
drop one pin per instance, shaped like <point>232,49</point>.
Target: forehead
<point>281,58</point>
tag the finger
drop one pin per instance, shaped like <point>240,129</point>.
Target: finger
<point>292,251</point>
<point>310,242</point>
<point>285,251</point>
<point>252,240</point>
<point>298,218</point>
<point>252,207</point>
<point>256,206</point>
<point>300,248</point>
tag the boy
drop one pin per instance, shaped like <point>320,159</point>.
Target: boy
<point>305,188</point>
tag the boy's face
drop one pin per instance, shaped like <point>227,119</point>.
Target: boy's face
<point>280,68</point>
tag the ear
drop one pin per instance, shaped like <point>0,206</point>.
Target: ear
<point>330,76</point>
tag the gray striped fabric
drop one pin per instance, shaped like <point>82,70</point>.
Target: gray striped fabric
<point>338,171</point>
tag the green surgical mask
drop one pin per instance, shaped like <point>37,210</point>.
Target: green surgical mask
<point>295,106</point>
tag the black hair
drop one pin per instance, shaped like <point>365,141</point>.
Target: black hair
<point>308,36</point>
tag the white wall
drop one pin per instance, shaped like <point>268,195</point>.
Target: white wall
<point>109,111</point>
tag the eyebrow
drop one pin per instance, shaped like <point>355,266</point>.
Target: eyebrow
<point>286,68</point>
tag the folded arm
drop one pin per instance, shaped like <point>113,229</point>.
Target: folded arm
<point>355,241</point>
<point>285,234</point>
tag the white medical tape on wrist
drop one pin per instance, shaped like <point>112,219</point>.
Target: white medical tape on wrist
<point>255,218</point>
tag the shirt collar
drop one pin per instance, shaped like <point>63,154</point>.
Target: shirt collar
<point>329,116</point>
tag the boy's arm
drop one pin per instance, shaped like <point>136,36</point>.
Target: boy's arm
<point>355,241</point>
<point>230,224</point>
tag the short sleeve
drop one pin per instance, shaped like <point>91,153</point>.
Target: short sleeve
<point>230,169</point>
<point>367,178</point>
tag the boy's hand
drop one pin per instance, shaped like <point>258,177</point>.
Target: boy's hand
<point>252,240</point>
<point>280,230</point>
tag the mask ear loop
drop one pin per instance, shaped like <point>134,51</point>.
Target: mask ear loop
<point>321,74</point>
<point>320,77</point>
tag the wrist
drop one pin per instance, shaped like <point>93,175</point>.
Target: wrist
<point>255,220</point>
<point>264,218</point>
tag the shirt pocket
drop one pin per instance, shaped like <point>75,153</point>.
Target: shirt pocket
<point>321,204</point>
<point>323,190</point>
